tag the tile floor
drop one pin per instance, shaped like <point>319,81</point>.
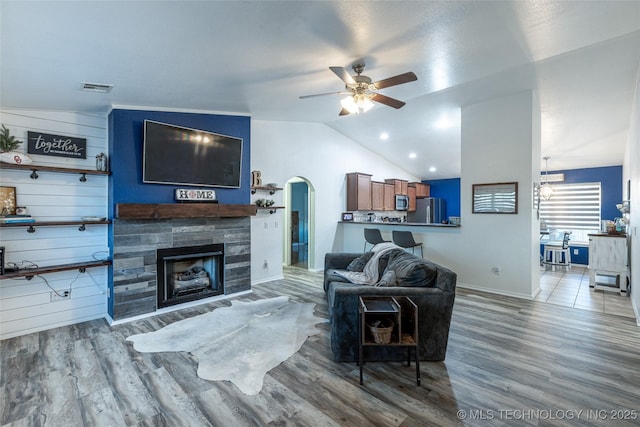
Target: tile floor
<point>571,289</point>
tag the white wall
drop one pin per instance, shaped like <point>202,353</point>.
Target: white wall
<point>631,171</point>
<point>500,143</point>
<point>283,150</point>
<point>25,305</point>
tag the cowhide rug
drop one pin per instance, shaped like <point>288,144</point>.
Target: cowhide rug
<point>240,343</point>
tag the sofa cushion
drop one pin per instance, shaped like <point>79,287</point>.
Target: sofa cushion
<point>359,263</point>
<point>333,275</point>
<point>411,271</point>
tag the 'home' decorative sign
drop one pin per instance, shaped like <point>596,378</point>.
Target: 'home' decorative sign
<point>56,145</point>
<point>189,195</point>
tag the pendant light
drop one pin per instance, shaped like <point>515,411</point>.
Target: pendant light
<point>546,190</point>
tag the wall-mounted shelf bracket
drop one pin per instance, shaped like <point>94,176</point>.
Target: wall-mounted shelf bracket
<point>271,190</point>
<point>271,209</point>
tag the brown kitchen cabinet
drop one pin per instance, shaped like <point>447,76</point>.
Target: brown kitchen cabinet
<point>377,196</point>
<point>401,186</point>
<point>389,197</point>
<point>422,190</point>
<point>358,191</point>
<point>412,199</point>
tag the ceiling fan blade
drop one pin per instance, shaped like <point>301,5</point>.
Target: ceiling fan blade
<point>391,102</point>
<point>343,75</point>
<point>324,94</point>
<point>396,80</point>
<point>344,112</point>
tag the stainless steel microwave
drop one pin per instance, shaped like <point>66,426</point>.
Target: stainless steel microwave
<point>402,202</point>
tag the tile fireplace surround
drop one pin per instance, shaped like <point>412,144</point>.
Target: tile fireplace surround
<point>136,238</point>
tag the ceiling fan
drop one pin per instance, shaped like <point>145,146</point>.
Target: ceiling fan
<point>362,92</point>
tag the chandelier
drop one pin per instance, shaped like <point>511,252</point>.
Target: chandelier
<point>546,190</point>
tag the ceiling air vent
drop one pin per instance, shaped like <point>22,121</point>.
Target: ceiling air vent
<point>97,87</point>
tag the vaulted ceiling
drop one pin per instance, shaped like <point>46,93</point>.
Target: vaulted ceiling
<point>258,57</point>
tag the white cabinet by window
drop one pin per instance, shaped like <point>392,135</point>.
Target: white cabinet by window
<point>608,262</point>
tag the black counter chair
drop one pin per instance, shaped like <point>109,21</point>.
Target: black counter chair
<point>373,237</point>
<point>404,239</point>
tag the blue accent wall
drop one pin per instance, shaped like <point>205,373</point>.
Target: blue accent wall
<point>126,133</point>
<point>126,146</point>
<point>299,202</point>
<point>610,178</point>
<point>448,189</point>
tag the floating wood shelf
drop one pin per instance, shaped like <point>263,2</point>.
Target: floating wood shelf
<point>31,226</point>
<point>182,210</point>
<point>35,168</point>
<point>30,272</point>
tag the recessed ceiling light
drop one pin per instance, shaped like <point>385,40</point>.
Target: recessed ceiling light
<point>384,136</point>
<point>444,122</point>
<point>432,169</point>
<point>97,87</point>
<point>412,155</point>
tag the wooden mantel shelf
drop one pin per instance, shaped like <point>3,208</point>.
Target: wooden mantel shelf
<point>182,210</point>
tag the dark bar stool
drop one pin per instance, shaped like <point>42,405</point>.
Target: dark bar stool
<point>373,237</point>
<point>404,239</point>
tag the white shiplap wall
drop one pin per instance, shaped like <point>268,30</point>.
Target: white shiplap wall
<point>25,305</point>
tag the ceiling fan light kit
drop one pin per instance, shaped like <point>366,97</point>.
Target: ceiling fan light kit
<point>356,104</point>
<point>362,92</point>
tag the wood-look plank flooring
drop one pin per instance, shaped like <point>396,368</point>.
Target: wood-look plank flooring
<point>509,362</point>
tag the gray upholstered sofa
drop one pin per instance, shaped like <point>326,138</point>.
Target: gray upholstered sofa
<point>430,286</point>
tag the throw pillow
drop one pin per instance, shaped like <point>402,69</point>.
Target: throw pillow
<point>359,263</point>
<point>388,279</point>
<point>412,271</point>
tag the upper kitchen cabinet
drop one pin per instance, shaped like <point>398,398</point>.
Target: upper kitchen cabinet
<point>412,199</point>
<point>400,186</point>
<point>422,190</point>
<point>358,191</point>
<point>377,195</point>
<point>389,197</point>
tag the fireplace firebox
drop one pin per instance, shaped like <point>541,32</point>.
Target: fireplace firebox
<point>189,273</point>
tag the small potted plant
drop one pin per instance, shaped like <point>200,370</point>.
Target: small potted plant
<point>8,143</point>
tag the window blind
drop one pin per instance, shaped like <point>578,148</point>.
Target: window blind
<point>572,207</point>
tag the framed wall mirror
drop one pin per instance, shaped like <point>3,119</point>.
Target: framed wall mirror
<point>498,198</point>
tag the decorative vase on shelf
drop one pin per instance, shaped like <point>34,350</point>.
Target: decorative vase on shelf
<point>264,203</point>
<point>101,162</point>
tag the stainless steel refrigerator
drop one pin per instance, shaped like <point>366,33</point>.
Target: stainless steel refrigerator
<point>431,210</point>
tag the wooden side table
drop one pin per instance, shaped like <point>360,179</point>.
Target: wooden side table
<point>402,312</point>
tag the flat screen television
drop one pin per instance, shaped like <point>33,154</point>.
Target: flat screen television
<point>179,155</point>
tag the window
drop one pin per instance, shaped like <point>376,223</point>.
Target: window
<point>573,207</point>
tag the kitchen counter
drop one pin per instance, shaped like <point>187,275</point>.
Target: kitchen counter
<point>350,236</point>
<point>412,224</point>
<point>608,234</point>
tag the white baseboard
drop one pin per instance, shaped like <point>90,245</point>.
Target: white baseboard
<point>498,292</point>
<point>267,279</point>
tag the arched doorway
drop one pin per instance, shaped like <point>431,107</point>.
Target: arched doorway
<point>299,223</point>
